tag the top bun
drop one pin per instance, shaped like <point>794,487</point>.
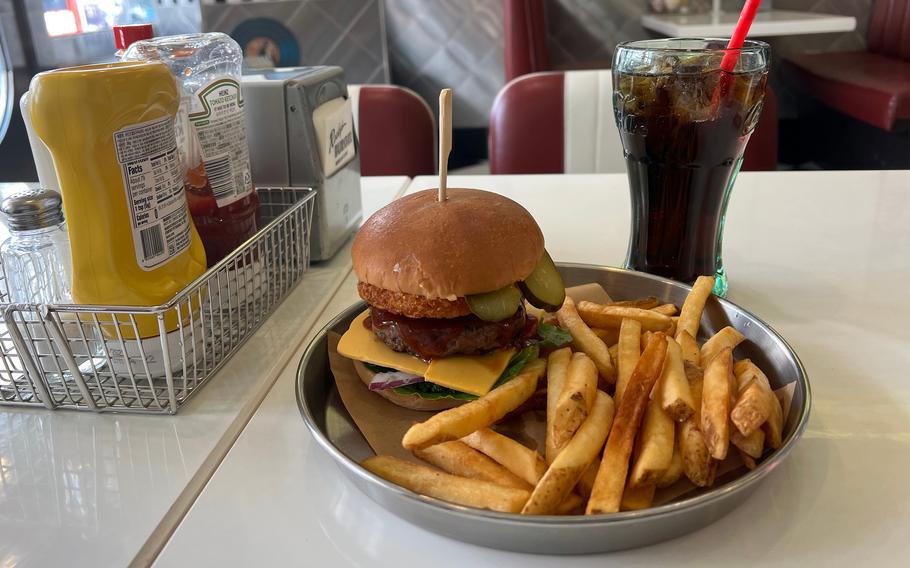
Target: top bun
<point>473,242</point>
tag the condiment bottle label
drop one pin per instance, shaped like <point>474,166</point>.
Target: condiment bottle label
<point>334,124</point>
<point>153,179</point>
<point>217,119</point>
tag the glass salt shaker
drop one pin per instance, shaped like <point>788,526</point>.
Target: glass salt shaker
<point>36,256</point>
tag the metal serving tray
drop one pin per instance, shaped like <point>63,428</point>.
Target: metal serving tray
<point>336,433</point>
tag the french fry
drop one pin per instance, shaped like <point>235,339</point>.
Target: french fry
<point>584,340</point>
<point>606,495</point>
<point>642,303</point>
<point>614,352</point>
<point>517,458</point>
<point>460,421</point>
<point>586,483</point>
<point>628,351</point>
<point>675,395</point>
<point>665,309</point>
<point>598,315</point>
<point>537,401</point>
<point>741,367</point>
<point>689,438</point>
<point>557,365</point>
<point>645,338</point>
<point>727,337</point>
<point>753,444</point>
<point>690,350</point>
<point>576,399</point>
<point>452,488</point>
<point>774,425</point>
<point>690,315</point>
<point>608,335</point>
<point>675,471</point>
<point>694,374</point>
<point>748,460</point>
<point>571,463</point>
<point>674,321</point>
<point>637,498</point>
<point>715,404</point>
<point>743,379</point>
<point>458,458</point>
<point>712,471</point>
<point>655,446</point>
<point>752,408</point>
<point>570,504</point>
<point>696,458</point>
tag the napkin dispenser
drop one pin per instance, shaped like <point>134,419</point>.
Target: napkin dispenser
<point>300,129</point>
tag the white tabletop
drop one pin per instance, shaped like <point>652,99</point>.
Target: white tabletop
<point>85,489</point>
<point>822,256</point>
<point>767,23</point>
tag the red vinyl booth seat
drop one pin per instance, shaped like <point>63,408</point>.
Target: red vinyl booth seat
<point>526,126</point>
<point>396,131</point>
<point>874,85</point>
<point>867,86</point>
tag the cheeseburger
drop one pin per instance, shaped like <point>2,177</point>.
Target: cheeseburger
<point>446,284</point>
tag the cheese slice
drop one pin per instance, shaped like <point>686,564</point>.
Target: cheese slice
<point>361,344</point>
<point>474,374</point>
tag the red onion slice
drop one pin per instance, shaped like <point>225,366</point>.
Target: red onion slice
<point>391,380</point>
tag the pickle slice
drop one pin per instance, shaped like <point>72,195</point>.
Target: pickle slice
<point>497,305</point>
<point>544,288</point>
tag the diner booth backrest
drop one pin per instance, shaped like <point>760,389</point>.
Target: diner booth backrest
<point>525,47</point>
<point>395,129</point>
<point>555,122</point>
<point>889,28</point>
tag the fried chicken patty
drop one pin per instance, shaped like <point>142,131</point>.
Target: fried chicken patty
<point>411,305</point>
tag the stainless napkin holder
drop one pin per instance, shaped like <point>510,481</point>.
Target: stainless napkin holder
<point>287,148</point>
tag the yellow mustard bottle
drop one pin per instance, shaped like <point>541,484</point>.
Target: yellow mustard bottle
<point>110,131</point>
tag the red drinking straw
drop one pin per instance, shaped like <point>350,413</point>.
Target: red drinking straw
<point>746,17</point>
<point>731,56</point>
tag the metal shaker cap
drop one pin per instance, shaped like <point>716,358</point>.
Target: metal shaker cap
<point>32,209</point>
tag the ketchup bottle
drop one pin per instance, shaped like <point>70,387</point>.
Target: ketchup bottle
<point>211,135</point>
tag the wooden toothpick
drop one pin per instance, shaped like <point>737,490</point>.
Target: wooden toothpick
<point>445,139</point>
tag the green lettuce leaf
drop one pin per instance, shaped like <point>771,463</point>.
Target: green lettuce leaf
<point>518,361</point>
<point>378,368</point>
<point>553,337</point>
<point>432,391</point>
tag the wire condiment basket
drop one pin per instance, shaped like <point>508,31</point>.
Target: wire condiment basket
<point>90,357</point>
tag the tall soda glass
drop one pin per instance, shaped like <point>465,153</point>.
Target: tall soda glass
<point>684,124</point>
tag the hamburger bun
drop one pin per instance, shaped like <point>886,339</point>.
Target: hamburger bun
<point>474,242</point>
<point>411,401</point>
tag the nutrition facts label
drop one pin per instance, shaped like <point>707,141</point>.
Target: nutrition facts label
<point>153,179</point>
<point>217,119</point>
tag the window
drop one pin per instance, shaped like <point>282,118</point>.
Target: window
<point>69,17</point>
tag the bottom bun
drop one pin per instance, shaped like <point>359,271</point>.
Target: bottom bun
<point>411,401</point>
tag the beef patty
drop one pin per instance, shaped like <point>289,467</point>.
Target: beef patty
<point>431,338</point>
